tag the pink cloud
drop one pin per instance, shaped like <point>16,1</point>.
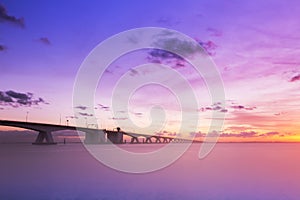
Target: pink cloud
<point>295,78</point>
<point>273,133</point>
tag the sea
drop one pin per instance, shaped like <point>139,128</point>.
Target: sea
<point>231,171</point>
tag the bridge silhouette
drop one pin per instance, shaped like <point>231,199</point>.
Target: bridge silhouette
<point>92,135</point>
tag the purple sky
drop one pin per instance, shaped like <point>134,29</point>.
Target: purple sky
<point>255,46</point>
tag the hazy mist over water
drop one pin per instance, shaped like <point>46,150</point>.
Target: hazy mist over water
<point>231,171</point>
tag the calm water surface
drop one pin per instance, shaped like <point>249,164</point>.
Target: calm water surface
<point>231,171</point>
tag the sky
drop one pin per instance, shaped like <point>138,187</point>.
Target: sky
<point>254,46</point>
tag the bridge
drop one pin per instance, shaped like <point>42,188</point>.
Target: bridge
<point>92,135</point>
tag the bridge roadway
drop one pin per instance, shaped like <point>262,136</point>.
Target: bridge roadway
<point>92,136</point>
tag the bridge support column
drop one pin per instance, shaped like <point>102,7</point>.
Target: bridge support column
<point>44,136</point>
<point>148,140</point>
<point>115,137</point>
<point>94,137</point>
<point>157,140</point>
<point>134,139</point>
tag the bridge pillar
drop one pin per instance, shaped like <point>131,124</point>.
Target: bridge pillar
<point>94,137</point>
<point>157,140</point>
<point>148,139</point>
<point>134,139</point>
<point>115,137</point>
<point>44,136</point>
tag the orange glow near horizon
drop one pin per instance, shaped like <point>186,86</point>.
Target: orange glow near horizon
<point>290,137</point>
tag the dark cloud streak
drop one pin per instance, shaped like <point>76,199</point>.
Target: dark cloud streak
<point>186,49</point>
<point>4,17</point>
<point>215,107</point>
<point>17,99</point>
<point>103,107</point>
<point>85,114</point>
<point>119,118</point>
<point>81,107</point>
<point>240,107</point>
<point>44,40</point>
<point>2,47</point>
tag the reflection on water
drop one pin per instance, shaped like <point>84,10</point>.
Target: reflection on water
<point>231,171</point>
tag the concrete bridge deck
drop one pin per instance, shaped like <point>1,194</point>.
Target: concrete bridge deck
<point>92,136</point>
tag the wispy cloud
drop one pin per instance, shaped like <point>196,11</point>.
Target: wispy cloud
<point>119,118</point>
<point>166,133</point>
<point>224,110</point>
<point>270,134</point>
<point>158,55</point>
<point>85,114</point>
<point>218,107</point>
<point>215,107</point>
<point>243,134</point>
<point>103,107</point>
<point>108,71</point>
<point>133,72</point>
<point>240,107</point>
<point>138,114</point>
<point>5,17</point>
<point>44,40</point>
<point>81,107</point>
<point>71,117</point>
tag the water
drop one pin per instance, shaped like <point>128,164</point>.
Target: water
<point>231,171</point>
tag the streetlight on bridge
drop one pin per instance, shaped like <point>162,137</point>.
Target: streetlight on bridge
<point>27,116</point>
